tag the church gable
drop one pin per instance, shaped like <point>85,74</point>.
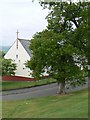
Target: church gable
<point>20,53</point>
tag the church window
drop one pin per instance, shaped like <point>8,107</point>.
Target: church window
<point>16,56</point>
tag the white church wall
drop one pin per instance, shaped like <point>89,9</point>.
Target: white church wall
<point>19,56</point>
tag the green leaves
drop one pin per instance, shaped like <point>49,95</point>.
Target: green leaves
<point>61,48</point>
<point>2,54</point>
<point>8,68</point>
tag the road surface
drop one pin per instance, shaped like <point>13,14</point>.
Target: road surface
<point>35,92</point>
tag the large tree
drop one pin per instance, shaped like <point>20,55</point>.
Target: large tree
<point>62,48</point>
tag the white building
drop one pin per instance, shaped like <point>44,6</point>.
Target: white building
<point>20,53</point>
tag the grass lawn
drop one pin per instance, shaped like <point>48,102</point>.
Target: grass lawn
<point>73,105</point>
<point>8,85</point>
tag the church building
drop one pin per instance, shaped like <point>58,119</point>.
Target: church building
<point>20,53</point>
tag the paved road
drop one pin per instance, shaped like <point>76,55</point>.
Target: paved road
<point>35,92</point>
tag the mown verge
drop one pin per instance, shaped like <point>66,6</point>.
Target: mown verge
<point>73,105</point>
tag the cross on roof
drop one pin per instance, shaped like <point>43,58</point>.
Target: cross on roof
<point>17,34</point>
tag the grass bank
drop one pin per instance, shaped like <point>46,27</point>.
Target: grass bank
<point>73,105</point>
<point>9,85</point>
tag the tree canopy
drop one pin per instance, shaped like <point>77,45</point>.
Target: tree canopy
<point>61,49</point>
<point>2,54</point>
<point>7,67</point>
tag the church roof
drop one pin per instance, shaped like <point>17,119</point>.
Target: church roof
<point>26,44</point>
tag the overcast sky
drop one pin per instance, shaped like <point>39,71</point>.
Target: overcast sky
<point>23,15</point>
<point>26,16</point>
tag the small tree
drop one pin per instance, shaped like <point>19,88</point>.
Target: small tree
<point>8,68</point>
<point>2,54</point>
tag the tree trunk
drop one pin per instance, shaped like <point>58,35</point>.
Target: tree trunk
<point>61,88</point>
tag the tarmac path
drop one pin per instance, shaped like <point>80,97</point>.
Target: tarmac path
<point>35,92</point>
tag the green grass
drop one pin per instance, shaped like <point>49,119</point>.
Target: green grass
<point>73,105</point>
<point>8,85</point>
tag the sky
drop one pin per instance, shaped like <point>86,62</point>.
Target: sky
<point>26,16</point>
